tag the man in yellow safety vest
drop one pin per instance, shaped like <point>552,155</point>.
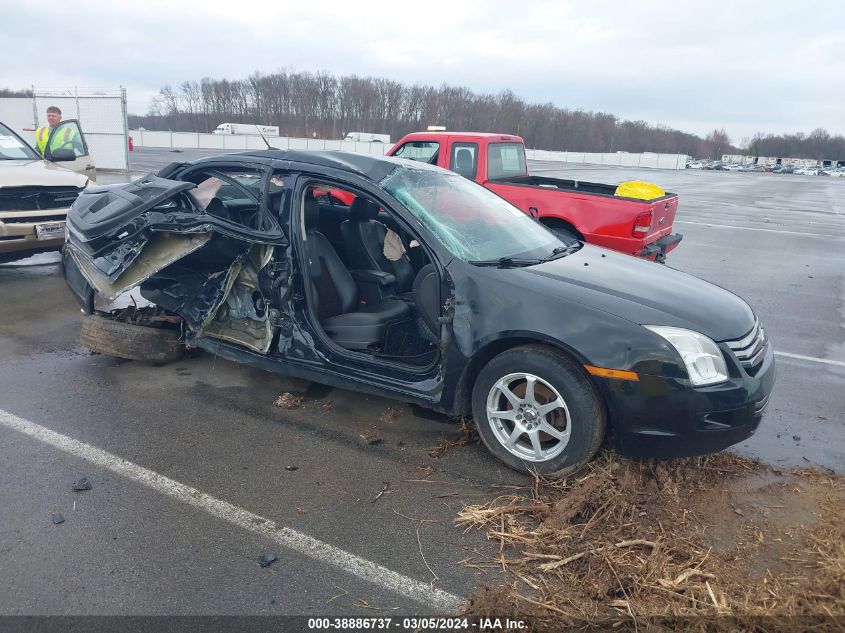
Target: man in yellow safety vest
<point>65,138</point>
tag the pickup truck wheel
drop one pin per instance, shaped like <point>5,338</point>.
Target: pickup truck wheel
<point>126,340</point>
<point>537,411</point>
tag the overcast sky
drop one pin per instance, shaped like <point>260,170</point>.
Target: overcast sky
<point>746,66</point>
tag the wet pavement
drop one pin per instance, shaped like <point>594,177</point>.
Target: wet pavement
<point>778,241</point>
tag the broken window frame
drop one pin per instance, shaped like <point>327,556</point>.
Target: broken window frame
<point>268,224</point>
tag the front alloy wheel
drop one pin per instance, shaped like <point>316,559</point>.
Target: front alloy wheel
<point>528,417</point>
<point>537,411</point>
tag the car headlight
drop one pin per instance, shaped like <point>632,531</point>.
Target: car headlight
<point>704,360</point>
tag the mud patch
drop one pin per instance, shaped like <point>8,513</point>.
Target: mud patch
<point>717,543</point>
<point>288,401</point>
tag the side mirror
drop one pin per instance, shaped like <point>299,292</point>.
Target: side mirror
<point>61,155</point>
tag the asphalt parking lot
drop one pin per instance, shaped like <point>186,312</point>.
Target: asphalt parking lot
<point>218,474</point>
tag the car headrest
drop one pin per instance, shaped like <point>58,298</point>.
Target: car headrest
<point>312,212</point>
<point>463,158</point>
<point>363,209</point>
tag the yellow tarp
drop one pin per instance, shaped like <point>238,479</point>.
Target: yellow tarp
<point>639,190</point>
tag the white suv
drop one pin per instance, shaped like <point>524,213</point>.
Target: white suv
<point>35,194</point>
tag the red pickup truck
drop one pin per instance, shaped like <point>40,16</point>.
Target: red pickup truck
<point>572,208</point>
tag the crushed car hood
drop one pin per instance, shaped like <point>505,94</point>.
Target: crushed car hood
<point>629,288</point>
<point>103,210</point>
<point>38,173</point>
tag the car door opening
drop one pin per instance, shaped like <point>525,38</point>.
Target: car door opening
<point>366,291</point>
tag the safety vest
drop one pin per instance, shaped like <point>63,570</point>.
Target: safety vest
<point>41,136</point>
<point>64,139</point>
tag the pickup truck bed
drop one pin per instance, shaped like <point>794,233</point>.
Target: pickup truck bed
<point>585,210</point>
<point>561,184</point>
<point>591,211</point>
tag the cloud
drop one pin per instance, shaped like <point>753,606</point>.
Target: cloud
<point>744,66</point>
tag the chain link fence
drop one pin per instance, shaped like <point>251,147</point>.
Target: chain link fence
<point>102,118</point>
<point>101,115</point>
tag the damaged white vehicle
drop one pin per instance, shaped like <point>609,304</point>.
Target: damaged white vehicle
<point>35,193</point>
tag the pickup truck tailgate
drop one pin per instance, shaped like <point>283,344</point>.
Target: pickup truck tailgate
<point>654,227</point>
<point>663,213</point>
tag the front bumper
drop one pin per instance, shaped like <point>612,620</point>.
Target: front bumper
<point>19,234</point>
<point>665,417</point>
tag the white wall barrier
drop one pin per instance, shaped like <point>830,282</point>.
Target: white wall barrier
<point>235,142</point>
<point>212,141</point>
<point>142,138</point>
<point>183,140</point>
<point>17,113</point>
<point>614,159</point>
<point>648,160</point>
<point>629,160</point>
<point>101,115</point>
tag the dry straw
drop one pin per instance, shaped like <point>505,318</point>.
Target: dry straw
<point>717,543</point>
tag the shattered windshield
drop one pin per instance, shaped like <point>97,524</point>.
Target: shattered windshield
<point>13,148</point>
<point>471,222</point>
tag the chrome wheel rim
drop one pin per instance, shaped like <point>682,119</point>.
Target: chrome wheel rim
<point>528,417</point>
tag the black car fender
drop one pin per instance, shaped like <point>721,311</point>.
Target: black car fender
<point>491,316</point>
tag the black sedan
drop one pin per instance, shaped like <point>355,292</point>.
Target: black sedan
<point>401,279</point>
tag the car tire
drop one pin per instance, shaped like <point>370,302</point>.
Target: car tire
<point>134,342</point>
<point>578,425</point>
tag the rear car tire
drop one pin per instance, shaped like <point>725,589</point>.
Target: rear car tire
<point>134,342</point>
<point>551,420</point>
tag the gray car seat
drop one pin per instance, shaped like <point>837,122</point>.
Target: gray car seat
<point>350,324</point>
<point>463,163</point>
<point>363,238</point>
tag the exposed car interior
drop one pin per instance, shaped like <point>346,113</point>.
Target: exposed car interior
<point>234,194</point>
<point>374,289</point>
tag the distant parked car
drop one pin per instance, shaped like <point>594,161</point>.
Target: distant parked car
<point>733,167</point>
<point>838,173</point>
<point>810,171</point>
<point>696,164</point>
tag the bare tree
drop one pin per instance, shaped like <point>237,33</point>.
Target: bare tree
<point>303,103</point>
<point>715,144</point>
<point>7,92</point>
